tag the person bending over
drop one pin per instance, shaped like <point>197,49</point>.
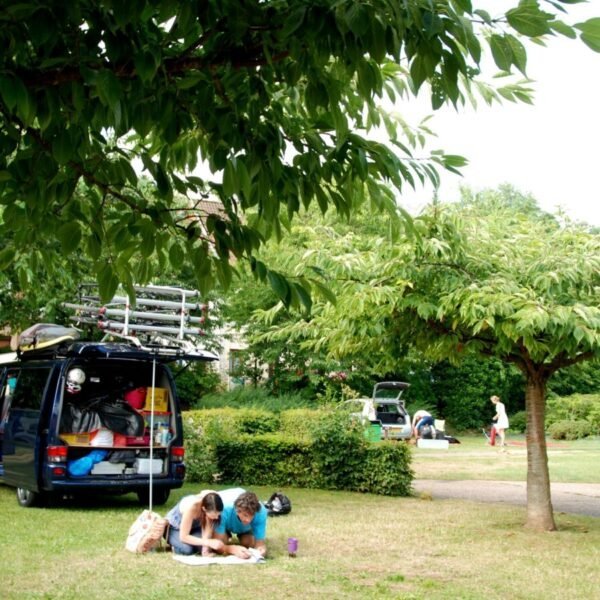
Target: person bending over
<point>420,419</point>
<point>192,523</point>
<point>245,517</point>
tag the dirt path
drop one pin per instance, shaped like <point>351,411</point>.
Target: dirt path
<point>576,498</point>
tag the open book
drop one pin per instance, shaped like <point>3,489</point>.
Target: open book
<point>196,560</point>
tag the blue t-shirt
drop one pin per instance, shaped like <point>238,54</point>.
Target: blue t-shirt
<point>230,522</point>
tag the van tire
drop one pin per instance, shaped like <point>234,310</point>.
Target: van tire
<point>159,496</point>
<point>26,498</point>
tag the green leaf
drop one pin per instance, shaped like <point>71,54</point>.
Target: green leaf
<point>230,180</point>
<point>145,65</point>
<point>418,72</point>
<point>563,29</point>
<point>357,19</point>
<point>26,108</point>
<point>107,281</point>
<point>304,296</point>
<point>502,52</point>
<point>590,33</point>
<point>12,91</point>
<point>464,5</point>
<point>244,179</point>
<point>62,147</point>
<point>519,54</point>
<point>279,285</point>
<point>162,182</point>
<point>325,292</point>
<point>69,235</point>
<point>94,247</point>
<point>148,232</point>
<point>528,19</point>
<point>258,268</point>
<point>176,256</point>
<point>484,15</point>
<point>109,89</point>
<point>6,258</point>
<point>190,80</point>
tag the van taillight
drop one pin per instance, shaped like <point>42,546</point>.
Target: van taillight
<point>57,454</point>
<point>177,453</point>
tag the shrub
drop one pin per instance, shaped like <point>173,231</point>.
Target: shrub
<point>316,449</point>
<point>578,407</point>
<point>570,430</point>
<point>268,459</point>
<point>386,470</point>
<point>518,421</point>
<point>200,456</point>
<point>339,451</point>
<point>233,421</point>
<point>299,422</point>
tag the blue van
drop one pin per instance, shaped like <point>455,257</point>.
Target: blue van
<point>91,417</point>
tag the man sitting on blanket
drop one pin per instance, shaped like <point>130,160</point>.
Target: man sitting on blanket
<point>244,516</point>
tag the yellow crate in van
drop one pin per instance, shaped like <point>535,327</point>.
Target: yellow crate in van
<point>161,399</point>
<point>76,439</point>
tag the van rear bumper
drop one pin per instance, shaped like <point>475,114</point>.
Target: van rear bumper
<point>111,485</point>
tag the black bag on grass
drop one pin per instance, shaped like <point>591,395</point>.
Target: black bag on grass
<point>278,504</point>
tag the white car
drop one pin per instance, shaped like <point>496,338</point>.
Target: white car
<point>386,408</point>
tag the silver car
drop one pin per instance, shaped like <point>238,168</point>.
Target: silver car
<point>386,408</point>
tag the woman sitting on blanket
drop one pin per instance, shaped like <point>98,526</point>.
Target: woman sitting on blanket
<point>191,524</point>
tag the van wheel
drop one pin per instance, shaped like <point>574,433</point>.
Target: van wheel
<point>27,498</point>
<point>159,496</point>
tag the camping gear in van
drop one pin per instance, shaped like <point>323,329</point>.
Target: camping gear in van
<point>102,437</point>
<point>147,465</point>
<point>76,439</point>
<point>136,397</point>
<point>105,467</point>
<point>78,419</point>
<point>161,399</point>
<point>115,415</point>
<point>119,417</point>
<point>80,467</point>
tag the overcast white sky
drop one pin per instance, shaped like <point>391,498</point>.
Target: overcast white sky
<point>549,149</point>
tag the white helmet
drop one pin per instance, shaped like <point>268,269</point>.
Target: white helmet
<point>75,378</point>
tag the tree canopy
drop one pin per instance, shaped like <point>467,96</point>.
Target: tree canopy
<point>480,278</point>
<point>275,98</point>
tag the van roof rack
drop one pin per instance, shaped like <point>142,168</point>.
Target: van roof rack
<point>163,319</point>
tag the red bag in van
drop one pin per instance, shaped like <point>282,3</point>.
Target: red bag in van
<point>136,397</point>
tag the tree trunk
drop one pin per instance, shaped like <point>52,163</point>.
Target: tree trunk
<point>539,504</point>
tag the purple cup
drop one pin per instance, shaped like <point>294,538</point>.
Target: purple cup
<point>292,546</point>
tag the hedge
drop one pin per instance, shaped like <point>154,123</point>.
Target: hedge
<point>232,421</point>
<point>570,430</point>
<point>314,449</point>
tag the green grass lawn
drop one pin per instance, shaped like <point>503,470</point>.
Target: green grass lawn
<point>350,546</point>
<point>473,458</point>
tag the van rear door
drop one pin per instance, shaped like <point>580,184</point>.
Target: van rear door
<point>24,441</point>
